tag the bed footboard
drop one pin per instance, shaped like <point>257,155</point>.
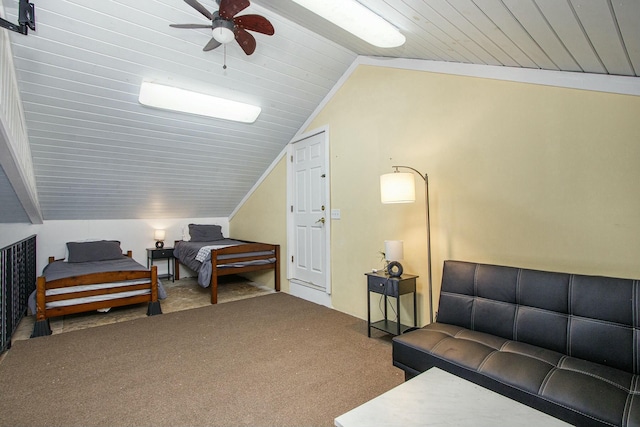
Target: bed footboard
<point>256,256</point>
<point>91,292</point>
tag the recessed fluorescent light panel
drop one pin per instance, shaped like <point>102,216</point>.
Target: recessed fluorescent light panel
<point>175,99</point>
<point>356,19</point>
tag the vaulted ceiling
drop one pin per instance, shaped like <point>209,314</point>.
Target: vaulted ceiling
<point>99,154</point>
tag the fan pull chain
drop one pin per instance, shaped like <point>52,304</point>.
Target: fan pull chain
<point>224,65</point>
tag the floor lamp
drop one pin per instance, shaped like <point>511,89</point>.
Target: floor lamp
<point>399,187</point>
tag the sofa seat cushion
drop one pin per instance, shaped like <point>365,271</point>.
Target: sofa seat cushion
<point>595,391</point>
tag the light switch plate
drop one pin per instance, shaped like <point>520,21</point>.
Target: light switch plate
<point>335,213</point>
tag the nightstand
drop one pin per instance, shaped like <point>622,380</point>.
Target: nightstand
<point>164,253</point>
<point>393,287</point>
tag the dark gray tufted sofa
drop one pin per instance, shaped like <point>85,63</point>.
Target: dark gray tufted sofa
<point>565,344</point>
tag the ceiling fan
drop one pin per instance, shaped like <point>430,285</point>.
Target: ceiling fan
<point>227,26</point>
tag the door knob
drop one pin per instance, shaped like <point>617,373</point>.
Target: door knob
<point>320,220</point>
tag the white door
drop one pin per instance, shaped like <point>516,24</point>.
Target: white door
<point>309,212</point>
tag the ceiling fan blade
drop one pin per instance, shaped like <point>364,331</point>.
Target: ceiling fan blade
<point>213,43</point>
<point>246,41</point>
<point>255,23</point>
<point>190,26</point>
<point>200,8</point>
<point>230,8</point>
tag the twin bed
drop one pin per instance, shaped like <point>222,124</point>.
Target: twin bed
<point>96,275</point>
<point>212,255</point>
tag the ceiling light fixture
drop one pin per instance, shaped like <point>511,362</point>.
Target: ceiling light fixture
<point>358,20</point>
<point>223,31</point>
<point>175,99</point>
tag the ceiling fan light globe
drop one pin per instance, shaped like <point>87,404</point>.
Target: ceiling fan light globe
<point>223,35</point>
<point>223,31</point>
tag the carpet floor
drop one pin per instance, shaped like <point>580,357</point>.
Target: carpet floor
<point>273,360</point>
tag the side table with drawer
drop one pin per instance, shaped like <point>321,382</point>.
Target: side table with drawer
<point>164,253</point>
<point>393,287</point>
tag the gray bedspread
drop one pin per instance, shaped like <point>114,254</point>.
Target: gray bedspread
<point>186,252</point>
<point>60,269</point>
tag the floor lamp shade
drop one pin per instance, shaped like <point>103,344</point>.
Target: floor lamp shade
<point>397,187</point>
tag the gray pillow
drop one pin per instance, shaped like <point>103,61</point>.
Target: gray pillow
<point>205,233</point>
<point>101,250</point>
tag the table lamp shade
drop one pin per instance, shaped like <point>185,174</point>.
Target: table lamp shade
<point>397,187</point>
<point>393,250</point>
<point>159,235</point>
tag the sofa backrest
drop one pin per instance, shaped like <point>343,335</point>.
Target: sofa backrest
<point>587,317</point>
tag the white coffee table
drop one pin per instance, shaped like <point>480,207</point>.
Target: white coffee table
<point>437,398</point>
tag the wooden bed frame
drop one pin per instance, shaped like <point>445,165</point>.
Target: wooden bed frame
<point>248,247</point>
<point>43,314</point>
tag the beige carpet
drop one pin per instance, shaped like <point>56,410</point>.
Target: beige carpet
<point>182,294</point>
<point>274,360</point>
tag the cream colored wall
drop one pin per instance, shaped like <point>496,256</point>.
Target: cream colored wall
<point>520,174</point>
<point>262,218</point>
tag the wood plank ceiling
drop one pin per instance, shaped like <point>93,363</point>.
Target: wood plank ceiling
<point>99,154</point>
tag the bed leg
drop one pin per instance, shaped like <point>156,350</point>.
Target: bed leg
<point>176,269</point>
<point>214,287</point>
<point>213,284</point>
<point>41,328</point>
<point>154,308</point>
<point>276,269</point>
